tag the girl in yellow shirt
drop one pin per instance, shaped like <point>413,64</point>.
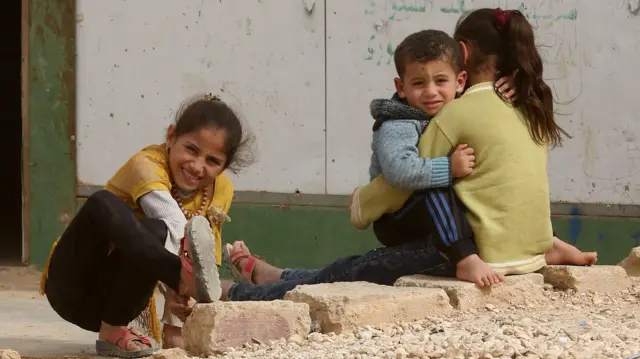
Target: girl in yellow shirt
<point>159,219</point>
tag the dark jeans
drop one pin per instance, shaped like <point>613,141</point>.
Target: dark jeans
<point>382,266</point>
<point>107,263</point>
<point>437,212</point>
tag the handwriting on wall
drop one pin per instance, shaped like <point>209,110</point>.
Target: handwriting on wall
<point>381,13</point>
<point>554,23</point>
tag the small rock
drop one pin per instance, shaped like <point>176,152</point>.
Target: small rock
<point>316,337</point>
<point>597,300</point>
<point>365,335</point>
<point>401,353</point>
<point>424,336</point>
<point>297,339</point>
<point>632,263</point>
<point>9,354</point>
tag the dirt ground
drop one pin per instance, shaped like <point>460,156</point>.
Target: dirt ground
<point>19,278</point>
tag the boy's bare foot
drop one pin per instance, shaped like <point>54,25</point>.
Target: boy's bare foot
<point>475,270</point>
<point>565,253</point>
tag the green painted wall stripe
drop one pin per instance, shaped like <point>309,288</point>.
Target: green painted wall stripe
<point>50,164</point>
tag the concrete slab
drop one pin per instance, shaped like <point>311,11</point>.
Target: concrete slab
<point>344,307</point>
<point>632,263</point>
<point>213,327</point>
<point>525,289</point>
<point>599,278</point>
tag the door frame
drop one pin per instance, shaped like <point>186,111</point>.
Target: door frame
<point>24,95</point>
<point>48,124</point>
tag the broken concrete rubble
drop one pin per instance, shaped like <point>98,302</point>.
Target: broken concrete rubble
<point>343,307</point>
<point>526,289</point>
<point>174,353</point>
<point>9,354</point>
<point>211,328</point>
<point>600,278</point>
<point>631,264</point>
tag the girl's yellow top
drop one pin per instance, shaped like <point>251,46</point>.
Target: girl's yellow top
<point>148,170</point>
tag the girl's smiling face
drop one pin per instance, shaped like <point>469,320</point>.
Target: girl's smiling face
<point>196,158</point>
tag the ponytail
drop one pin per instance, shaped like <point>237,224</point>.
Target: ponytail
<point>508,36</point>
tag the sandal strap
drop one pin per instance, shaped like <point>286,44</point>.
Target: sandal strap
<point>122,338</point>
<point>247,269</point>
<point>238,256</point>
<point>185,261</point>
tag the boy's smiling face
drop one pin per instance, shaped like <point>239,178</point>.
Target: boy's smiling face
<point>430,85</point>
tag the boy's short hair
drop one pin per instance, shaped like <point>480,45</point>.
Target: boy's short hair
<point>427,45</point>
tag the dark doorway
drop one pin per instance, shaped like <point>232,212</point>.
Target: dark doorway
<point>11,143</point>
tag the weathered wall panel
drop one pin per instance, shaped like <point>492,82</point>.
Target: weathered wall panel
<point>136,65</point>
<point>137,60</point>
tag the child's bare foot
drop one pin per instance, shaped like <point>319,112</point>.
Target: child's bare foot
<point>565,253</point>
<point>475,270</point>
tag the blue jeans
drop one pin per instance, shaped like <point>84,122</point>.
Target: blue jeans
<point>381,266</point>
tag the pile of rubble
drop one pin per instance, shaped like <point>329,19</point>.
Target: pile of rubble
<point>561,312</point>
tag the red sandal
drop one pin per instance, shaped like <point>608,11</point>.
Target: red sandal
<point>118,341</point>
<point>232,260</point>
<point>197,257</point>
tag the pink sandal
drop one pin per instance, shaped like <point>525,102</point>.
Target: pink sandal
<point>232,260</point>
<point>118,341</point>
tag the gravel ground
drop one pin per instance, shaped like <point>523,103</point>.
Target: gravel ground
<point>584,325</point>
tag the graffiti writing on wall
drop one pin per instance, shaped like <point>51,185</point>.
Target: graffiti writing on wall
<point>381,13</point>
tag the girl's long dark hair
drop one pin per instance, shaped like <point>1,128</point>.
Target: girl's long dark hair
<point>509,37</point>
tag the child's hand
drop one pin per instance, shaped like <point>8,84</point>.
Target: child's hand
<point>506,87</point>
<point>462,161</point>
<point>179,305</point>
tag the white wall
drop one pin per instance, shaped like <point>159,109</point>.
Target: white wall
<point>270,59</point>
<point>138,60</point>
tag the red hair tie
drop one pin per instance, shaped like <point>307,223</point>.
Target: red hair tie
<point>502,17</point>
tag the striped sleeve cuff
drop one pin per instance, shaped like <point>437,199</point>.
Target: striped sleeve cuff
<point>440,172</point>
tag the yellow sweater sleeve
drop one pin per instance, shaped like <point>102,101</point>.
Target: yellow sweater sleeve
<point>374,199</point>
<point>434,142</point>
<point>145,172</point>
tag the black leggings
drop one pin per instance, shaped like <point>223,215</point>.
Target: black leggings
<point>107,263</point>
<point>435,213</point>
